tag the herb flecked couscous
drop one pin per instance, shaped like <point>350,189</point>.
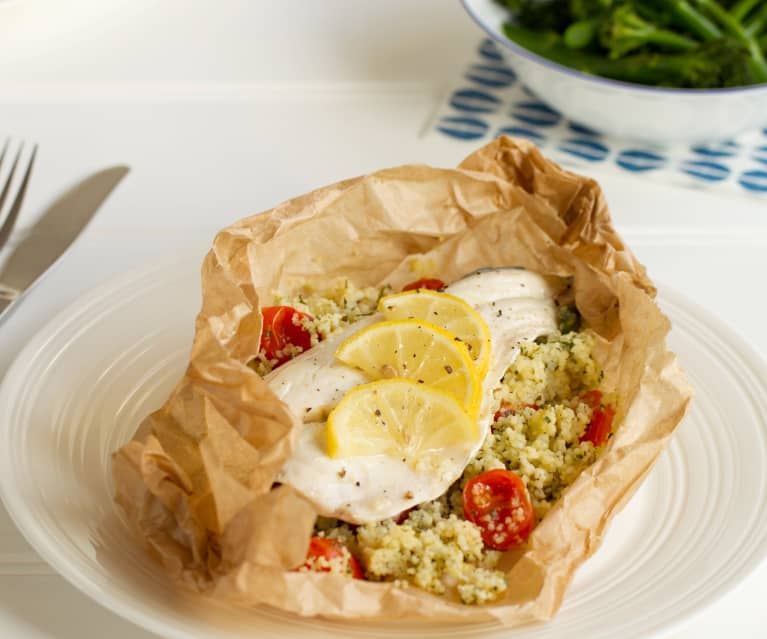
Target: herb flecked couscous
<point>545,410</point>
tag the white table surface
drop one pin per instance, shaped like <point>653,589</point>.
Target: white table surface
<point>225,108</point>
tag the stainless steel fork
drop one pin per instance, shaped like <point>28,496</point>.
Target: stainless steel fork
<point>13,212</point>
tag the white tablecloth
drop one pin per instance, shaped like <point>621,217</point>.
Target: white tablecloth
<point>225,108</point>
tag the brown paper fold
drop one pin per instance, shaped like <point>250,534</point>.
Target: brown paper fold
<point>195,481</point>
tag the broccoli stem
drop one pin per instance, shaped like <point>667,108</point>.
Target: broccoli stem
<point>644,68</point>
<point>671,40</point>
<point>690,18</point>
<point>738,31</point>
<point>758,24</point>
<point>742,8</point>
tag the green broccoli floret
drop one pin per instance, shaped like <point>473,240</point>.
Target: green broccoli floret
<point>709,19</point>
<point>731,26</point>
<point>625,31</point>
<point>719,63</point>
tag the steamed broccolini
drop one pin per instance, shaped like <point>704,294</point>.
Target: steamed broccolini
<point>719,63</point>
<point>698,44</point>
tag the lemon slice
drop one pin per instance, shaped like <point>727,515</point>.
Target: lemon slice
<point>415,350</point>
<point>400,418</point>
<point>446,311</point>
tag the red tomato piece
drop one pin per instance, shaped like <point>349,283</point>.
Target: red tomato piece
<point>281,329</point>
<point>329,549</point>
<point>497,502</point>
<point>601,424</point>
<point>593,398</point>
<point>431,283</point>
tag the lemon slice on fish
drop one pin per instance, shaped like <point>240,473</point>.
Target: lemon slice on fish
<point>446,311</point>
<point>400,418</point>
<point>416,350</point>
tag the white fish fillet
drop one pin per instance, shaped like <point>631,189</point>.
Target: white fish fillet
<point>517,305</point>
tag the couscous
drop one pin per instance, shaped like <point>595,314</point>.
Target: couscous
<point>549,423</point>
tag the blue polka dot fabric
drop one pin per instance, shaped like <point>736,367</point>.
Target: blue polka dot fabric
<point>491,101</point>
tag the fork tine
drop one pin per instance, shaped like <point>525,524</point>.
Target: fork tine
<point>5,148</point>
<point>13,213</point>
<point>8,181</point>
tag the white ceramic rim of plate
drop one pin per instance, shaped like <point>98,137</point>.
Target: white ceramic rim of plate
<point>68,569</point>
<point>11,500</point>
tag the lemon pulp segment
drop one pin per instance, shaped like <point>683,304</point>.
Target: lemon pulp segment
<point>400,418</point>
<point>416,350</point>
<point>446,311</point>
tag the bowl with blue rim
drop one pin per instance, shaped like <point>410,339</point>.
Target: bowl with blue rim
<point>700,87</point>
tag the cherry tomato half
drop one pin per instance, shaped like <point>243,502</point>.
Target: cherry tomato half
<point>497,502</point>
<point>425,282</point>
<point>329,549</point>
<point>601,424</point>
<point>281,328</point>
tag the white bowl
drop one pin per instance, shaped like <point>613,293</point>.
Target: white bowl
<point>626,110</point>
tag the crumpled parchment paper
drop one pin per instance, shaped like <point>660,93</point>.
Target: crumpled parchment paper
<point>195,481</point>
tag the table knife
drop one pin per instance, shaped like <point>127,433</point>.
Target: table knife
<point>54,233</point>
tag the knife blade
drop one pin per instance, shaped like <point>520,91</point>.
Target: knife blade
<point>54,233</point>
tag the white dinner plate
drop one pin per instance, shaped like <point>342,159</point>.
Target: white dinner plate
<point>696,527</point>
